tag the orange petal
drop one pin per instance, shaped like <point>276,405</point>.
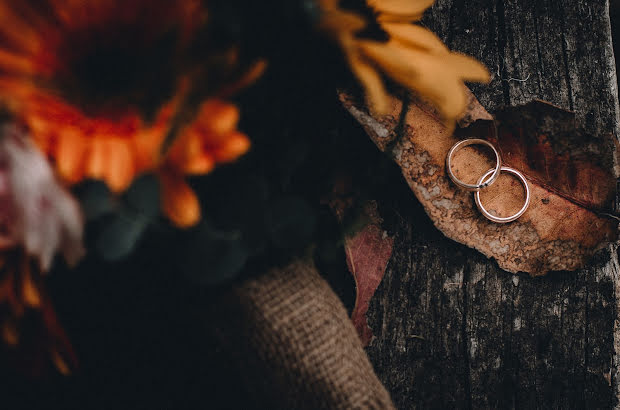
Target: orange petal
<point>17,31</point>
<point>199,164</point>
<point>236,144</point>
<point>15,63</point>
<point>60,363</point>
<point>30,293</point>
<point>179,202</point>
<point>119,171</point>
<point>189,145</point>
<point>146,148</point>
<point>70,155</point>
<point>218,117</point>
<point>9,285</point>
<point>38,125</point>
<point>97,159</point>
<point>10,334</point>
<point>187,155</point>
<point>184,144</point>
<point>252,74</point>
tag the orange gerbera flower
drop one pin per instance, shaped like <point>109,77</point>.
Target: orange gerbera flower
<point>101,85</point>
<point>82,146</point>
<point>211,138</point>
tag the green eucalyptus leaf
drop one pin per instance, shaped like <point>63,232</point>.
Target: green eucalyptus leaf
<point>143,196</point>
<point>95,198</point>
<point>120,235</point>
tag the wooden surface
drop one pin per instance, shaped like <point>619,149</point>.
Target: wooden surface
<point>452,329</point>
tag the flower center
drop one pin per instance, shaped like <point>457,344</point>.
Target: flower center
<point>107,73</point>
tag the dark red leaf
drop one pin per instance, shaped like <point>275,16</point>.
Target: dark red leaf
<point>367,253</point>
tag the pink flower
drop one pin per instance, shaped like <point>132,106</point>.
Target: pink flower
<point>36,212</point>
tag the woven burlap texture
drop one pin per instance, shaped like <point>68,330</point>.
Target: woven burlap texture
<point>294,344</point>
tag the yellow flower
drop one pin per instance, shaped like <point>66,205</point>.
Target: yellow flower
<point>412,56</point>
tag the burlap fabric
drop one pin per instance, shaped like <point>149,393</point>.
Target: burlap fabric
<point>294,345</point>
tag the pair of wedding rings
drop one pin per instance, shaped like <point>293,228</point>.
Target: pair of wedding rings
<point>487,179</point>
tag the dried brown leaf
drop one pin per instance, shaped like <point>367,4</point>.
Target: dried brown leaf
<point>543,142</point>
<point>570,173</point>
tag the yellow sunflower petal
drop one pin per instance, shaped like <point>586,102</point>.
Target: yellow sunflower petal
<point>468,68</point>
<point>412,35</point>
<point>428,74</point>
<point>401,8</point>
<point>339,21</point>
<point>372,82</point>
<point>403,19</point>
<point>328,4</point>
<point>366,74</point>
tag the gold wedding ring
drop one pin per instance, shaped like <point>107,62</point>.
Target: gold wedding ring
<point>499,219</point>
<point>487,179</point>
<point>480,185</point>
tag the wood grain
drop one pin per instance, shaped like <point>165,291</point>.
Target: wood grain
<point>452,329</point>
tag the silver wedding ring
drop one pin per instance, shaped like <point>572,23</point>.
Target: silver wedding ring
<point>480,185</point>
<point>498,219</point>
<point>487,179</point>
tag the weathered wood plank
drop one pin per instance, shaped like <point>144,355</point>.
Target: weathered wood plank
<point>452,329</point>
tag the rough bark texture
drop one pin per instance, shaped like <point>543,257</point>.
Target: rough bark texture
<point>452,329</point>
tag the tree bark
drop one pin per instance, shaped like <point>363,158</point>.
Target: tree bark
<point>453,330</point>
